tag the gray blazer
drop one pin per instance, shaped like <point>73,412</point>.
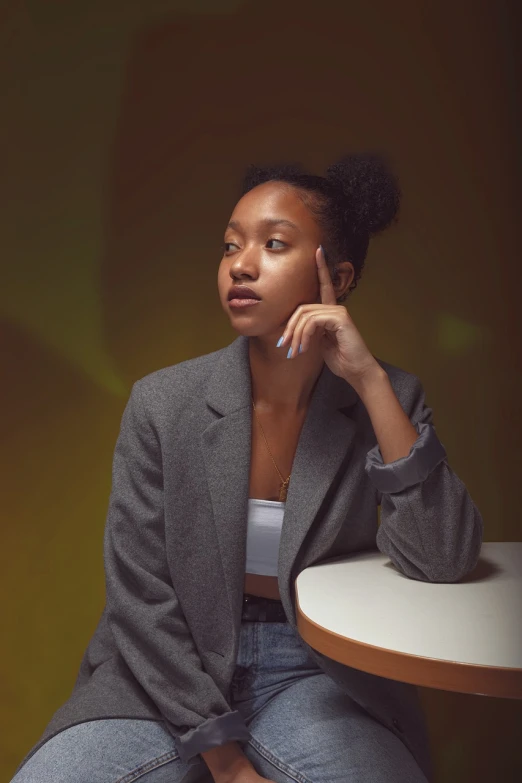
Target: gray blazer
<point>174,547</point>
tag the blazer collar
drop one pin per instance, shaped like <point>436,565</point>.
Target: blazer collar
<point>325,440</point>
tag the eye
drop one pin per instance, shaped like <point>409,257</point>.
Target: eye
<point>225,244</point>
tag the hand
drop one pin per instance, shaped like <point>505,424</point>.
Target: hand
<point>249,776</point>
<point>237,769</point>
<point>342,347</point>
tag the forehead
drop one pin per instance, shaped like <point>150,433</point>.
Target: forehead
<point>272,200</point>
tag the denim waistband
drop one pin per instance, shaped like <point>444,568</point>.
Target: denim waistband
<point>264,610</point>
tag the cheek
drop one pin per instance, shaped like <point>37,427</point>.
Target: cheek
<point>299,274</point>
<point>309,281</point>
<point>223,280</point>
<point>297,291</point>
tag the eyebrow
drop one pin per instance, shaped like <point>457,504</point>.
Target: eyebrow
<point>267,222</point>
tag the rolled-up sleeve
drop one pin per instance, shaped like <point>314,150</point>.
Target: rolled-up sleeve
<point>430,527</point>
<point>143,611</point>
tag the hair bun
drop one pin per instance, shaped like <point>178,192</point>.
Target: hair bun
<point>371,190</point>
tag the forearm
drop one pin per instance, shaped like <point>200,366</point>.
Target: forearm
<point>394,432</point>
<point>226,761</point>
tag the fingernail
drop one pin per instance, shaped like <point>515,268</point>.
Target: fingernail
<point>289,352</point>
<point>279,342</point>
<point>300,348</point>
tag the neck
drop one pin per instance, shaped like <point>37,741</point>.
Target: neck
<point>280,384</point>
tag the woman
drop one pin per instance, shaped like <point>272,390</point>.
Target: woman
<point>232,473</point>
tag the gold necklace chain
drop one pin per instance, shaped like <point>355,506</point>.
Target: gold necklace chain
<point>283,489</point>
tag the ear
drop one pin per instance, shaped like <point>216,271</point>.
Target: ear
<point>342,277</point>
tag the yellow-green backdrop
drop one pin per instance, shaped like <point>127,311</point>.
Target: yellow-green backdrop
<point>125,130</point>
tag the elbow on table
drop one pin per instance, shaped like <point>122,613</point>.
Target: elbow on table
<point>464,559</point>
<point>448,573</point>
<point>445,573</point>
<point>446,570</point>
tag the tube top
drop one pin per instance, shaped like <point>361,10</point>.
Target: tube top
<point>264,524</point>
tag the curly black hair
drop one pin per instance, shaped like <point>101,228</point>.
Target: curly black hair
<point>358,198</point>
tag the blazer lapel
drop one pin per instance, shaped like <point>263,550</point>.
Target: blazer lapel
<point>325,440</point>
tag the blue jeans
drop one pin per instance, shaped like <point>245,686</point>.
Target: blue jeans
<point>304,728</point>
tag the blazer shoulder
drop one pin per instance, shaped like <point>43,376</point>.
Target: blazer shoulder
<point>179,381</point>
<point>410,392</point>
<point>395,373</point>
<point>404,383</point>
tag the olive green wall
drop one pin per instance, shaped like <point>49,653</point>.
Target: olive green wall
<point>127,126</point>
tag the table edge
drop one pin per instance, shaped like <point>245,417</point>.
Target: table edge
<point>478,679</point>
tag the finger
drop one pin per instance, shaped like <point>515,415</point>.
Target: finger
<point>293,323</point>
<point>309,322</point>
<point>302,334</point>
<point>296,336</point>
<point>326,289</point>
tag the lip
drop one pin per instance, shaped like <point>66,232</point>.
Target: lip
<point>242,302</point>
<point>242,292</point>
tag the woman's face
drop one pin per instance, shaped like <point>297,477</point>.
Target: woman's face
<point>276,260</point>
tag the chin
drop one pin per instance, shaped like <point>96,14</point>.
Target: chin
<point>247,330</point>
<point>241,326</point>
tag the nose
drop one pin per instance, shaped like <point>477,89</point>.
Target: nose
<point>243,264</point>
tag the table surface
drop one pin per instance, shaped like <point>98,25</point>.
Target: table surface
<point>466,636</point>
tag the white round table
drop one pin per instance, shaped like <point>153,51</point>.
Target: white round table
<point>467,636</point>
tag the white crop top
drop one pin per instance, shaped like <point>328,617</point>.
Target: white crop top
<point>264,524</point>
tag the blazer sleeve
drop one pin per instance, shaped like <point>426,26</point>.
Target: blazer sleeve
<point>143,612</point>
<point>430,528</point>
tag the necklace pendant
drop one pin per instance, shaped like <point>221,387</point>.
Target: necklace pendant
<point>283,491</point>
